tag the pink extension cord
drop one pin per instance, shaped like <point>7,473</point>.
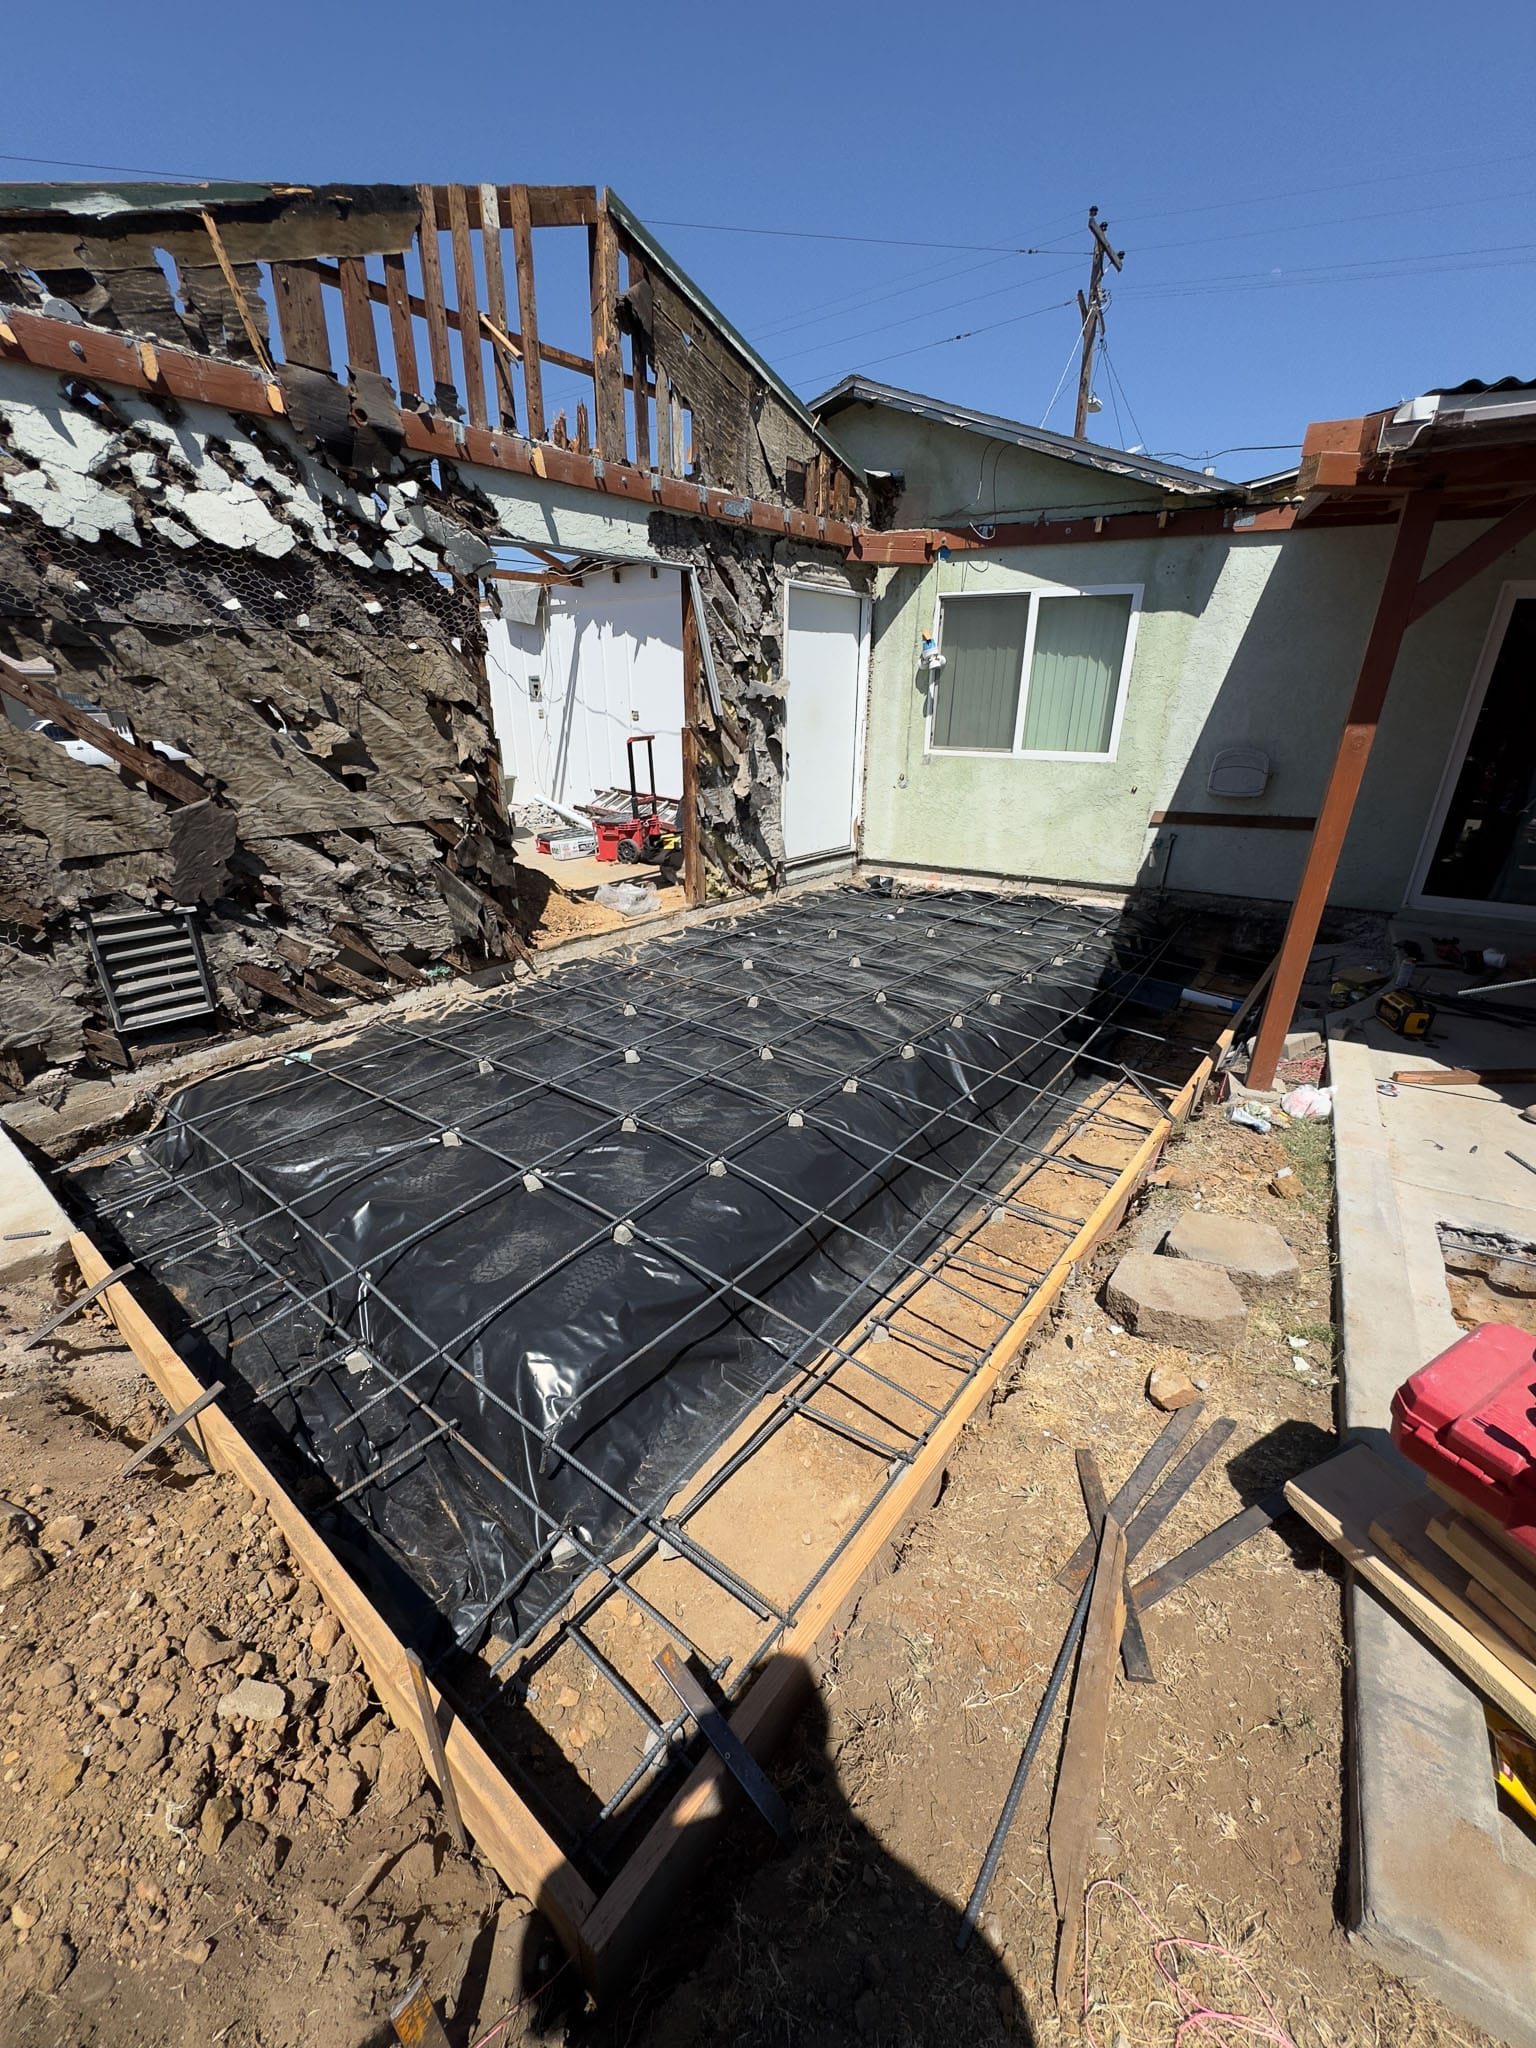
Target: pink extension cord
<point>1197,2017</point>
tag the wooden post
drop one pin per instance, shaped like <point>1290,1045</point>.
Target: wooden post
<point>1394,609</point>
<point>689,823</point>
<point>496,296</point>
<point>607,362</point>
<point>470,347</point>
<point>301,316</point>
<point>357,314</point>
<point>527,310</point>
<point>401,333</point>
<point>432,296</point>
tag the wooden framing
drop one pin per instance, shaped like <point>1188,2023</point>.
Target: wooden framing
<point>607,363</point>
<point>357,314</point>
<point>496,297</point>
<point>470,349</point>
<point>608,1934</point>
<point>432,295</point>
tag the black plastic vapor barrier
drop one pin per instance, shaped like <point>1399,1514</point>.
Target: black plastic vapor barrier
<point>502,1273</point>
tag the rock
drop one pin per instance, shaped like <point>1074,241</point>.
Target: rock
<point>204,1649</point>
<point>1254,1256</point>
<point>567,1697</point>
<point>401,1776</point>
<point>281,1585</point>
<point>52,1959</point>
<point>56,1674</point>
<point>197,1952</point>
<point>325,1635</point>
<point>1177,1301</point>
<point>65,1775</point>
<point>1299,1045</point>
<point>343,1787</point>
<point>342,1659</point>
<point>250,1665</point>
<point>1287,1184</point>
<point>291,1798</point>
<point>62,1532</point>
<point>24,1915</point>
<point>155,1698</point>
<point>1168,1388</point>
<point>253,1699</point>
<point>215,1821</point>
<point>367,1757</point>
<point>145,1751</point>
<point>1511,1276</point>
<point>416,1870</point>
<point>20,1564</point>
<point>346,1706</point>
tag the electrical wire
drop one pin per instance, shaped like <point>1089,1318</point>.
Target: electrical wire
<point>1116,383</point>
<point>929,312</point>
<point>1066,368</point>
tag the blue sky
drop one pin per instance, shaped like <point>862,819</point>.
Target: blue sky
<point>1324,208</point>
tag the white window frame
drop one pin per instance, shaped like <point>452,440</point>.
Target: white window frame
<point>1509,596</point>
<point>1018,751</point>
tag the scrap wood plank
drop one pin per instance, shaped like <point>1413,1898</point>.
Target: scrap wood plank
<point>1404,1534</point>
<point>1480,1518</point>
<point>1487,1563</point>
<point>635,1902</point>
<point>1341,1498</point>
<point>527,1858</point>
<point>290,994</point>
<point>1150,1466</point>
<point>1133,1644</point>
<point>1503,1618</point>
<point>28,683</point>
<point>1080,1780</point>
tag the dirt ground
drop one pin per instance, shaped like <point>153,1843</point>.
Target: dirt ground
<point>177,1872</point>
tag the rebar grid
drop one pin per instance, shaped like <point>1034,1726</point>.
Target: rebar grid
<point>784,1030</point>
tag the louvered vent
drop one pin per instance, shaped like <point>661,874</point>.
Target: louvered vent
<point>152,968</point>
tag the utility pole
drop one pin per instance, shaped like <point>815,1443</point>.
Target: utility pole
<point>1092,310</point>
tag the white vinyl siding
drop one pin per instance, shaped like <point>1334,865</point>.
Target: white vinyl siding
<point>1033,673</point>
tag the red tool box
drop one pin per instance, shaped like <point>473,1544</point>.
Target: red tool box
<point>1469,1418</point>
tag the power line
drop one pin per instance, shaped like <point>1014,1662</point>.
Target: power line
<point>715,227</point>
<point>928,313</point>
<point>64,163</point>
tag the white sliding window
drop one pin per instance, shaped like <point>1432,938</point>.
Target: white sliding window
<point>1074,676</point>
<point>1033,673</point>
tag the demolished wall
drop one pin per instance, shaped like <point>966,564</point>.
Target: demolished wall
<point>744,577</point>
<point>217,587</point>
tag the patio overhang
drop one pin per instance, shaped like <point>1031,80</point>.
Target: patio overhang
<point>1422,463</point>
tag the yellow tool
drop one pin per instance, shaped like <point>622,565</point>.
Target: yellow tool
<point>1405,1012</point>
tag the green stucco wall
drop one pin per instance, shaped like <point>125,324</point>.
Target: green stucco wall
<point>1241,639</point>
<point>952,474</point>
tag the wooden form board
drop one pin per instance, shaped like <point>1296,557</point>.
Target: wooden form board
<point>607,1934</point>
<point>1404,1534</point>
<point>1488,1564</point>
<point>1342,1498</point>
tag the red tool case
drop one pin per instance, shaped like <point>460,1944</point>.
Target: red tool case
<point>1469,1418</point>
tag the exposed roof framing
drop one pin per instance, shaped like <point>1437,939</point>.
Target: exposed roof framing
<point>244,295</point>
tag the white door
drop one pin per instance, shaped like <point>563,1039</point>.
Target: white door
<point>823,699</point>
<point>608,662</point>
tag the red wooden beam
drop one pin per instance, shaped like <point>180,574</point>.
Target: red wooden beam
<point>1394,609</point>
<point>1518,524</point>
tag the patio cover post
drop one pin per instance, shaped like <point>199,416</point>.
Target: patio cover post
<point>1394,609</point>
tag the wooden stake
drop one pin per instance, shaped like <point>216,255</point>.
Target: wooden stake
<point>434,1735</point>
<point>1080,1781</point>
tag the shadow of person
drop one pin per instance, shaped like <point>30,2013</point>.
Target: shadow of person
<point>831,1939</point>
